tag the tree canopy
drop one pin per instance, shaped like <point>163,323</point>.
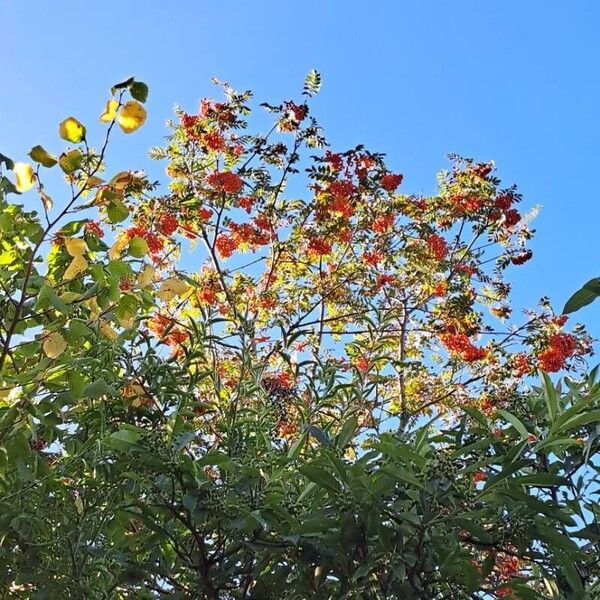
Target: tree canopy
<point>278,375</point>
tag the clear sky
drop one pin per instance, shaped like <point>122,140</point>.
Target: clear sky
<point>515,81</point>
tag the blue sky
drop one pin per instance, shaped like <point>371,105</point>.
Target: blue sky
<point>512,81</point>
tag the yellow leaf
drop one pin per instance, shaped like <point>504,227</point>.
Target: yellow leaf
<point>110,111</point>
<point>94,308</point>
<point>146,276</point>
<point>120,244</point>
<point>78,265</point>
<point>171,288</point>
<point>75,246</point>
<point>107,331</point>
<point>132,116</point>
<point>25,176</point>
<point>71,130</point>
<point>54,345</point>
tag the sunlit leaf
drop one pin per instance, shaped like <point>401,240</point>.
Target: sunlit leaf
<point>70,161</point>
<point>71,130</point>
<point>146,276</point>
<point>75,246</point>
<point>131,117</point>
<point>25,176</point>
<point>39,155</point>
<point>117,248</point>
<point>138,247</point>
<point>54,345</point>
<point>78,265</point>
<point>110,111</point>
<point>171,288</point>
<point>107,330</point>
<point>586,295</point>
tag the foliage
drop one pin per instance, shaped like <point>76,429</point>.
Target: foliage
<point>279,377</point>
<point>584,296</point>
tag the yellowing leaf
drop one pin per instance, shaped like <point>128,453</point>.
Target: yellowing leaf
<point>75,246</point>
<point>78,265</point>
<point>127,321</point>
<point>121,180</point>
<point>131,117</point>
<point>110,111</point>
<point>93,182</point>
<point>39,155</point>
<point>25,176</point>
<point>120,244</point>
<point>171,288</point>
<point>94,308</point>
<point>46,201</point>
<point>54,345</point>
<point>135,394</point>
<point>71,130</point>
<point>70,161</point>
<point>107,331</point>
<point>146,276</point>
<point>69,297</point>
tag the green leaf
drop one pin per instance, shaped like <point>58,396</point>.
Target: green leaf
<point>139,91</point>
<point>576,409</point>
<point>126,309</point>
<point>312,83</point>
<point>47,296</point>
<point>540,479</point>
<point>7,161</point>
<point>319,434</point>
<point>122,86</point>
<point>310,486</point>
<point>296,447</point>
<point>120,269</point>
<point>586,295</point>
<point>72,228</point>
<point>39,155</point>
<point>507,471</point>
<point>97,389</point>
<point>552,442</point>
<point>79,329</point>
<point>76,383</point>
<point>320,477</point>
<point>402,474</point>
<point>474,529</point>
<point>124,439</point>
<point>116,211</point>
<point>550,395</point>
<point>214,458</point>
<point>477,415</point>
<point>70,161</point>
<point>591,417</point>
<point>346,432</point>
<point>138,247</point>
<point>570,572</point>
<point>515,422</point>
<point>555,539</point>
